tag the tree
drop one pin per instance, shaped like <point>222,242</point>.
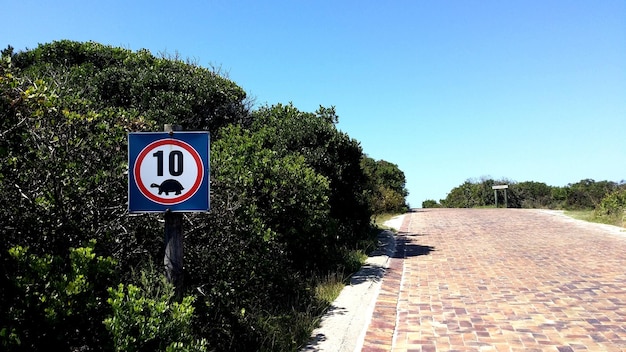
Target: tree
<point>54,300</point>
<point>331,153</point>
<point>612,208</point>
<point>533,194</point>
<point>587,193</point>
<point>464,196</point>
<point>288,202</point>
<point>386,186</point>
<point>62,184</point>
<point>270,224</point>
<point>160,89</point>
<point>479,193</point>
<point>430,203</point>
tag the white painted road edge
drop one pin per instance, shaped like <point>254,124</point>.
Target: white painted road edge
<point>343,327</point>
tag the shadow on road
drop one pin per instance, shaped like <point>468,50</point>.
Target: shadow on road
<point>368,273</point>
<point>406,249</point>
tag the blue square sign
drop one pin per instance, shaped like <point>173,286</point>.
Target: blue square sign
<point>168,172</point>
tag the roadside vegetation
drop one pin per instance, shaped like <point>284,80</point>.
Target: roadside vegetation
<point>380,219</point>
<point>590,200</point>
<point>292,201</point>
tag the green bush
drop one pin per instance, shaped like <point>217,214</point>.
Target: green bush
<point>385,191</point>
<point>430,203</point>
<point>469,195</point>
<point>146,318</point>
<point>585,194</point>
<point>55,300</point>
<point>62,166</point>
<point>612,207</point>
<point>331,153</point>
<point>284,197</point>
<point>533,194</point>
<point>163,90</point>
<point>250,253</point>
<point>289,201</point>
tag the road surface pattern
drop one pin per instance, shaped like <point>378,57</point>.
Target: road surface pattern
<point>501,280</point>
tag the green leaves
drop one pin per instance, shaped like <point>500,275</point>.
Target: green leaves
<point>386,190</point>
<point>612,208</point>
<point>146,318</point>
<point>585,194</point>
<point>281,195</point>
<point>164,90</point>
<point>55,297</point>
<point>289,198</point>
<point>330,153</point>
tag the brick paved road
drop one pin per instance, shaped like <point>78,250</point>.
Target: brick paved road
<point>501,280</point>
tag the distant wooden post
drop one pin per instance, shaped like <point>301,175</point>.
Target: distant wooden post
<point>506,201</point>
<point>495,193</point>
<point>173,260</point>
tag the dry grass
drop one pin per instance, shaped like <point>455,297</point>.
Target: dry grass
<point>592,216</point>
<point>329,289</point>
<point>379,220</point>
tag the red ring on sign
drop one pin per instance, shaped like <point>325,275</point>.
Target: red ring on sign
<point>161,200</point>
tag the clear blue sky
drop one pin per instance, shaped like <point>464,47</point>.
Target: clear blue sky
<point>447,90</point>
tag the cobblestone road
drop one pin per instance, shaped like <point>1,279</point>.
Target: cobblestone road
<point>501,280</point>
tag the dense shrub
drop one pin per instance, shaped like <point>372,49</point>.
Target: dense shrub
<point>386,191</point>
<point>430,203</point>
<point>54,300</point>
<point>62,181</point>
<point>585,194</point>
<point>328,151</point>
<point>533,194</point>
<point>471,194</point>
<point>612,207</point>
<point>247,256</point>
<point>62,168</point>
<point>162,90</point>
<point>146,318</point>
<point>289,199</point>
<point>280,193</point>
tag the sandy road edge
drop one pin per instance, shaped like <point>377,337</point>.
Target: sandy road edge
<point>610,229</point>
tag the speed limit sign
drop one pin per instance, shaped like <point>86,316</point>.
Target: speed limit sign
<point>168,172</point>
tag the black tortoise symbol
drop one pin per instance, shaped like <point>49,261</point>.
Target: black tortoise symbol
<point>168,186</point>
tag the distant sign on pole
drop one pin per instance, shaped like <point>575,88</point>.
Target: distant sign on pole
<point>168,172</point>
<point>495,194</point>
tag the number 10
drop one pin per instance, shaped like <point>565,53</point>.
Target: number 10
<point>175,162</point>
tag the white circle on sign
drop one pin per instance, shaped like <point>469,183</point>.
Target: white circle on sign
<point>168,171</point>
